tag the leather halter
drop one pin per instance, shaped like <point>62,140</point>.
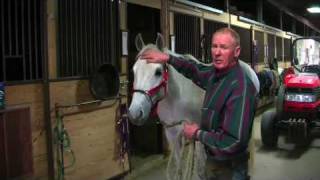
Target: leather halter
<point>153,91</point>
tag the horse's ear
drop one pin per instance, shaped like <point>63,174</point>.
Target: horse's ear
<point>160,41</point>
<point>139,42</point>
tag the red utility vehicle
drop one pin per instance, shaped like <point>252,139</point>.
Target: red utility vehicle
<point>297,111</point>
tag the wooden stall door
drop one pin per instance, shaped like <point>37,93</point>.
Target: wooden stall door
<point>15,144</point>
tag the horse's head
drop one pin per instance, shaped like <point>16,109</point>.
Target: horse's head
<point>150,83</point>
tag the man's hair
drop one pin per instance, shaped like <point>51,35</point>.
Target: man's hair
<point>230,31</point>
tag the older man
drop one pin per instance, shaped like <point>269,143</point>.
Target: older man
<point>228,107</point>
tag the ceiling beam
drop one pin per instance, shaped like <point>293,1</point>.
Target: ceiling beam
<point>297,17</point>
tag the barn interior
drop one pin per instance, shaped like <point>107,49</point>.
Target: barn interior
<point>66,81</point>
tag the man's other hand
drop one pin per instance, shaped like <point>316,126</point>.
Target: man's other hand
<point>190,129</point>
<point>154,56</point>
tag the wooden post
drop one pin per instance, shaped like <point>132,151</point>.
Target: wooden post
<point>164,18</point>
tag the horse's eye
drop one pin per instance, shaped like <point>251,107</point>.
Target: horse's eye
<point>158,72</point>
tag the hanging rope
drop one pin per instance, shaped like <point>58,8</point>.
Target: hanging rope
<point>122,128</point>
<point>63,143</point>
<point>183,168</point>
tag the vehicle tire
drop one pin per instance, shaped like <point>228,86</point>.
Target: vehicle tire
<point>269,132</point>
<point>279,102</point>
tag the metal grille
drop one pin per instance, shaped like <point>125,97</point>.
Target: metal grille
<point>271,50</point>
<point>88,36</point>
<point>245,43</point>
<point>209,28</point>
<point>287,49</point>
<point>21,55</point>
<point>187,32</point>
<point>258,36</point>
<point>279,48</point>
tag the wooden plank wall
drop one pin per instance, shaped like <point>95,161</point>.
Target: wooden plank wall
<point>32,96</point>
<point>92,132</point>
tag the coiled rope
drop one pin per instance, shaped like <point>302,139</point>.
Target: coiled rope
<point>180,168</point>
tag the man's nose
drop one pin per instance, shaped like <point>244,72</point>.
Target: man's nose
<point>217,51</point>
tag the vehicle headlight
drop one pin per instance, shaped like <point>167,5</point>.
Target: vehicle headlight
<point>300,97</point>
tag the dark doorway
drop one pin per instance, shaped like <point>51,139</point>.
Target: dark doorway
<point>146,139</point>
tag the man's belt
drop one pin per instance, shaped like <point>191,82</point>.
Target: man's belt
<point>238,157</point>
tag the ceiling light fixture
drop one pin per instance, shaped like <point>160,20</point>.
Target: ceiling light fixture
<point>314,9</point>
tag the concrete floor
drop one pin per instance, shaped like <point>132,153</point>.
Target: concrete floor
<point>286,162</point>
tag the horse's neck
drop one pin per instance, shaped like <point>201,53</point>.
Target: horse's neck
<point>183,100</point>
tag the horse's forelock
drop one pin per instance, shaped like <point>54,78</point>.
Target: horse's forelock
<point>147,47</point>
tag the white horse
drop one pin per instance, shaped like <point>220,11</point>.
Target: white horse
<point>178,98</point>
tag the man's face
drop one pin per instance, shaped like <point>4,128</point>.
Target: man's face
<point>224,51</point>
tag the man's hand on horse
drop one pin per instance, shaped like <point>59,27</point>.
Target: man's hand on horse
<point>190,130</point>
<point>154,56</point>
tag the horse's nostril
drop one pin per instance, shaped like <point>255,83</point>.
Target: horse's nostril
<point>140,114</point>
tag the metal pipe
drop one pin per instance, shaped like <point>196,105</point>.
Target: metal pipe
<point>67,37</point>
<point>72,31</point>
<point>86,42</point>
<point>36,51</point>
<point>23,41</point>
<point>90,102</point>
<point>29,39</point>
<point>9,28</point>
<point>80,42</point>
<point>16,29</point>
<point>2,42</point>
<point>77,38</point>
<point>94,34</point>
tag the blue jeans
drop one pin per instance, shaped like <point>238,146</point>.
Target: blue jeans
<point>229,170</point>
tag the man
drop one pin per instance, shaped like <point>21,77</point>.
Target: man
<point>228,108</point>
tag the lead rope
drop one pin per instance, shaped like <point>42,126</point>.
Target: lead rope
<point>179,172</point>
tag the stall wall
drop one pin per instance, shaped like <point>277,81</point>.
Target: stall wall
<point>32,96</point>
<point>92,131</point>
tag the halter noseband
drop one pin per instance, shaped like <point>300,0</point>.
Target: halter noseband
<point>153,91</point>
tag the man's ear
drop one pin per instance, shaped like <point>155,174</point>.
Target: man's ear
<point>160,42</point>
<point>139,42</point>
<point>237,51</point>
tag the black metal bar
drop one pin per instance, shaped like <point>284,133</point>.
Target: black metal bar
<point>112,32</point>
<point>86,49</point>
<point>36,58</point>
<point>81,29</point>
<point>94,37</point>
<point>108,35</point>
<point>67,37</point>
<point>16,29</point>
<point>77,37</point>
<point>9,28</point>
<point>103,31</point>
<point>91,37</point>
<point>72,38</point>
<point>29,39</point>
<point>23,41</point>
<point>3,42</point>
<point>100,32</point>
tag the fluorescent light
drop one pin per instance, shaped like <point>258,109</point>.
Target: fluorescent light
<point>314,9</point>
<point>250,21</point>
<point>214,10</point>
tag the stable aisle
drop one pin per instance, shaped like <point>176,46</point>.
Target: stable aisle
<point>286,162</point>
